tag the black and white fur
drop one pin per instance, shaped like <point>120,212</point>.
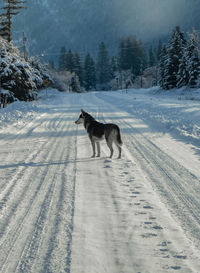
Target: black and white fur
<point>98,131</point>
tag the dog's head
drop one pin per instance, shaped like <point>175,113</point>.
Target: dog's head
<point>81,118</point>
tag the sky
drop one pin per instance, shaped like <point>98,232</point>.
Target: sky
<point>152,18</point>
<point>83,24</point>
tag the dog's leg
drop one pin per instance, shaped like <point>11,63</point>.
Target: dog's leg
<point>111,150</point>
<point>98,149</point>
<point>119,148</point>
<point>120,151</point>
<point>93,147</point>
<point>109,143</point>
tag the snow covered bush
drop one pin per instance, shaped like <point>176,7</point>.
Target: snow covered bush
<point>6,97</point>
<point>65,81</point>
<point>17,75</point>
<point>122,80</point>
<point>41,72</point>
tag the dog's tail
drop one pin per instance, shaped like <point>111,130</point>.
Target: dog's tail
<point>119,139</point>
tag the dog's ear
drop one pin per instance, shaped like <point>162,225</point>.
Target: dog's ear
<point>82,111</point>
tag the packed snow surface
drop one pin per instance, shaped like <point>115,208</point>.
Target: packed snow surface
<point>63,211</point>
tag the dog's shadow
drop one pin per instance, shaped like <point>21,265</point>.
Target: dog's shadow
<point>53,163</point>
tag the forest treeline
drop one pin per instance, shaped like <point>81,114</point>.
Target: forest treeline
<point>171,64</point>
<point>96,72</point>
<point>176,62</point>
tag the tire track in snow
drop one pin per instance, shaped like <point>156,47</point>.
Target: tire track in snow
<point>12,235</point>
<point>8,187</point>
<point>13,183</point>
<point>14,143</point>
<point>63,221</point>
<point>33,243</point>
<point>18,229</point>
<point>57,206</point>
<point>171,180</point>
<point>177,185</point>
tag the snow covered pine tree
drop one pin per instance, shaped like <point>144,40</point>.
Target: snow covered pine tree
<point>175,51</point>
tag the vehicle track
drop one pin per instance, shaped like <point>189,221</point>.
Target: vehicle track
<point>174,182</point>
<point>177,186</point>
<point>26,209</point>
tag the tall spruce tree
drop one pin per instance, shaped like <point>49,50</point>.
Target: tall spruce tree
<point>193,62</point>
<point>131,55</point>
<point>11,8</point>
<point>113,66</point>
<point>78,69</point>
<point>103,65</point>
<point>158,51</point>
<point>89,73</point>
<point>75,84</point>
<point>123,54</point>
<point>69,61</point>
<point>62,59</point>
<point>175,51</point>
<point>161,66</point>
<point>183,75</point>
<point>152,59</point>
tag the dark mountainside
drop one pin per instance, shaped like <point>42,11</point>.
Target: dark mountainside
<point>82,24</point>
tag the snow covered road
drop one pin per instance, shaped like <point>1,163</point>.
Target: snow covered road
<point>62,211</point>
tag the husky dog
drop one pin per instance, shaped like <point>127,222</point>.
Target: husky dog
<point>98,131</point>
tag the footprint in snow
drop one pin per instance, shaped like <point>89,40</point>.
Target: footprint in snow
<point>135,192</point>
<point>157,227</point>
<point>148,235</point>
<point>164,250</point>
<point>147,207</point>
<point>107,161</point>
<point>152,218</point>
<point>183,257</point>
<point>176,267</point>
<point>107,167</point>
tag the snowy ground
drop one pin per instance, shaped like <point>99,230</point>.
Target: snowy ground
<point>62,211</point>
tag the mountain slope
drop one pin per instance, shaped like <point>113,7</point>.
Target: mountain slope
<point>82,24</point>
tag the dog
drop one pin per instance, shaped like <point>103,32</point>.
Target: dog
<point>97,131</point>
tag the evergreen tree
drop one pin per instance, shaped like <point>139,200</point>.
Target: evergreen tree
<point>69,61</point>
<point>113,66</point>
<point>62,59</point>
<point>103,66</point>
<point>161,66</point>
<point>123,55</point>
<point>131,52</point>
<point>152,60</point>
<point>141,60</point>
<point>158,51</point>
<point>78,69</point>
<point>89,73</point>
<point>183,75</point>
<point>175,51</point>
<point>131,55</point>
<point>11,8</point>
<point>193,62</point>
<point>75,84</point>
<point>18,75</point>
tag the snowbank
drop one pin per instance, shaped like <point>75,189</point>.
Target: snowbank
<point>173,111</point>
